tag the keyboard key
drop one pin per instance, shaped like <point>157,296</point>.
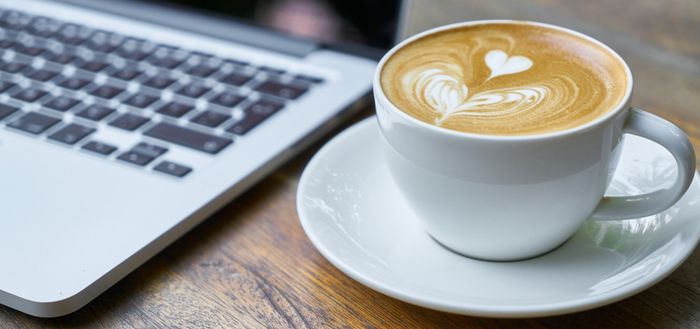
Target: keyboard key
<point>159,82</point>
<point>73,34</point>
<point>211,118</point>
<point>227,99</point>
<point>135,49</point>
<point>13,67</point>
<point>6,111</point>
<point>141,100</point>
<point>34,123</point>
<point>93,65</point>
<point>106,91</point>
<point>14,20</point>
<point>5,86</point>
<point>235,79</point>
<point>172,168</point>
<point>127,73</point>
<point>149,149</point>
<point>95,112</point>
<point>189,138</point>
<point>202,56</point>
<point>175,109</point>
<point>255,113</point>
<point>7,43</point>
<point>271,70</point>
<point>99,148</point>
<point>246,124</point>
<point>167,57</point>
<point>236,62</point>
<point>61,103</point>
<point>29,94</point>
<point>71,133</point>
<point>43,26</point>
<point>168,62</point>
<point>308,78</point>
<point>193,90</point>
<point>29,50</point>
<point>103,41</point>
<point>265,107</point>
<point>61,58</point>
<point>129,121</point>
<point>136,158</point>
<point>202,70</point>
<point>42,75</point>
<point>279,89</point>
<point>74,83</point>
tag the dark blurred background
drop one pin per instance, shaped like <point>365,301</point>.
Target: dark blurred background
<point>368,22</point>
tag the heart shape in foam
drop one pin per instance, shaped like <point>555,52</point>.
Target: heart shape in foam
<point>500,64</point>
<point>443,90</point>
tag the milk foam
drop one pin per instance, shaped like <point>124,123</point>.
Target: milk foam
<point>448,96</point>
<point>500,64</point>
<point>504,79</point>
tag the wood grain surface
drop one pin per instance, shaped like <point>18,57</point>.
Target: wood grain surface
<point>250,265</point>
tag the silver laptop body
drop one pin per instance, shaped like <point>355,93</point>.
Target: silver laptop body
<point>89,192</point>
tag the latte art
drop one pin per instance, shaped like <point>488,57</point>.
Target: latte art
<point>503,79</point>
<point>501,64</point>
<point>449,97</point>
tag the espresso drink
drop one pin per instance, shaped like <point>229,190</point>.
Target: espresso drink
<point>504,79</point>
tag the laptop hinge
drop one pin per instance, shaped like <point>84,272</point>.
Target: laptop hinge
<point>198,22</point>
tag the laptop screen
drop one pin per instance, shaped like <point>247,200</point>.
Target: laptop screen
<point>367,22</point>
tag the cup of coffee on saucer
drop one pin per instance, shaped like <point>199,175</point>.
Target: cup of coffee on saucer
<point>506,174</point>
<point>503,135</point>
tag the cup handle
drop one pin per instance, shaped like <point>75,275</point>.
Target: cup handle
<point>668,135</point>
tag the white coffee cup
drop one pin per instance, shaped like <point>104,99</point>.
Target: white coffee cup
<point>515,197</point>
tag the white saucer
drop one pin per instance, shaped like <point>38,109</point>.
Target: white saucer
<point>353,213</point>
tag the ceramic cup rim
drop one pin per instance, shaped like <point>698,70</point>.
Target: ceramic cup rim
<point>600,120</point>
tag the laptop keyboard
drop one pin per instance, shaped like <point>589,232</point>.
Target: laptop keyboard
<point>83,76</point>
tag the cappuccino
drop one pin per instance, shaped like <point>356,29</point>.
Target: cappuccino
<point>504,79</point>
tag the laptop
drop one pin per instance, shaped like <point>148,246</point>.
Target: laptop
<point>123,124</point>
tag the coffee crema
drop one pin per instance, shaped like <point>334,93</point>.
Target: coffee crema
<point>504,79</point>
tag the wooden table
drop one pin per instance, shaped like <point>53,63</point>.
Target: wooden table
<point>251,265</point>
